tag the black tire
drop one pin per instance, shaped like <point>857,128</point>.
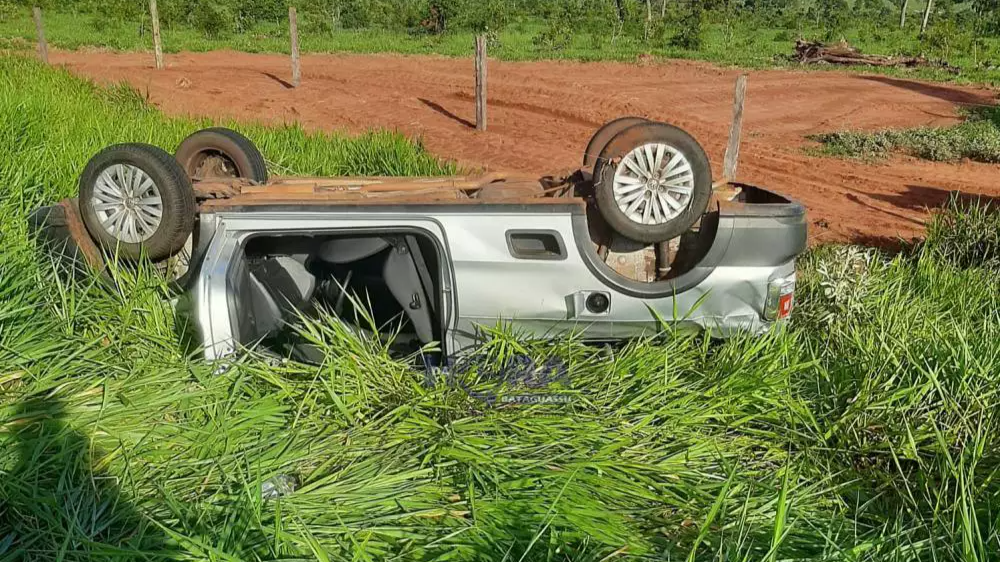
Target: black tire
<point>176,202</point>
<point>227,153</point>
<point>605,134</point>
<point>624,143</point>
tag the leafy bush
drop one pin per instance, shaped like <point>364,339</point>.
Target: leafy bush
<point>987,16</point>
<point>691,28</point>
<point>213,19</point>
<point>966,233</point>
<point>112,11</point>
<point>782,36</point>
<point>834,16</point>
<point>357,14</point>
<point>562,20</point>
<point>872,12</point>
<point>945,38</point>
<point>844,276</point>
<point>479,15</point>
<point>319,16</point>
<point>632,19</point>
<point>8,10</point>
<point>556,35</point>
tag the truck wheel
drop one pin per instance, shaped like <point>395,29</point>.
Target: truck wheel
<point>652,182</point>
<point>221,153</point>
<point>605,134</point>
<point>136,198</point>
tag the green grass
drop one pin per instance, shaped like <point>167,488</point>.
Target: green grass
<point>741,43</point>
<point>868,430</point>
<point>977,138</point>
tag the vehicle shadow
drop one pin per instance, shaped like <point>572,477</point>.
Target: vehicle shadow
<point>924,197</point>
<point>54,504</point>
<point>437,107</point>
<point>889,244</point>
<point>920,198</point>
<point>942,92</point>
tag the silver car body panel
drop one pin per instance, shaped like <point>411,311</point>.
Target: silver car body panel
<point>482,283</point>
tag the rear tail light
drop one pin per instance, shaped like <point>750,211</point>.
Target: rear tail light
<point>780,298</point>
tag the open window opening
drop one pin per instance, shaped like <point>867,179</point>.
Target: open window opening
<point>384,285</point>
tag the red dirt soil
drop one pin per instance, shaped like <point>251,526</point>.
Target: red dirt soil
<point>541,115</point>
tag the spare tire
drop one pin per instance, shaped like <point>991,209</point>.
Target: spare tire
<point>603,135</point>
<point>220,152</point>
<point>652,182</point>
<point>136,198</point>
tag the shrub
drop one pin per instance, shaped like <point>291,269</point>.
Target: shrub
<point>782,36</point>
<point>556,35</point>
<point>945,38</point>
<point>631,19</point>
<point>119,10</point>
<point>843,275</point>
<point>8,11</point>
<point>480,15</point>
<point>213,19</point>
<point>966,233</point>
<point>987,16</point>
<point>872,12</point>
<point>318,16</point>
<point>834,16</point>
<point>978,138</point>
<point>691,28</point>
<point>562,19</point>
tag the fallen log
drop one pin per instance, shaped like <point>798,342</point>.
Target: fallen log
<point>817,52</point>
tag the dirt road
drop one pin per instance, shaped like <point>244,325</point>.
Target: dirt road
<point>541,115</point>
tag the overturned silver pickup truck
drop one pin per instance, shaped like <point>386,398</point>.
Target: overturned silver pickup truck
<point>638,235</point>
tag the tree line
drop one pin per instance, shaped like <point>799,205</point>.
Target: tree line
<point>648,20</point>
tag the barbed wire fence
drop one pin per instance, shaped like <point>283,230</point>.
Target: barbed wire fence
<point>479,50</point>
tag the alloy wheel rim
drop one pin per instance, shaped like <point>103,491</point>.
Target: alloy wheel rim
<point>127,203</point>
<point>653,184</point>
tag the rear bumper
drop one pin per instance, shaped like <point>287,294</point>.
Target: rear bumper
<point>750,286</point>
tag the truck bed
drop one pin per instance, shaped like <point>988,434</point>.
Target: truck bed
<point>217,194</point>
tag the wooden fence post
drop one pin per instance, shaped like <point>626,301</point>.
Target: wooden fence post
<point>293,31</point>
<point>157,47</point>
<point>481,82</point>
<point>735,130</point>
<point>43,47</point>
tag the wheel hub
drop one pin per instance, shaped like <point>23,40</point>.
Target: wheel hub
<point>127,203</point>
<point>653,184</point>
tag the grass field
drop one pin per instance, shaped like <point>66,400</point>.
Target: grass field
<point>740,43</point>
<point>865,431</point>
